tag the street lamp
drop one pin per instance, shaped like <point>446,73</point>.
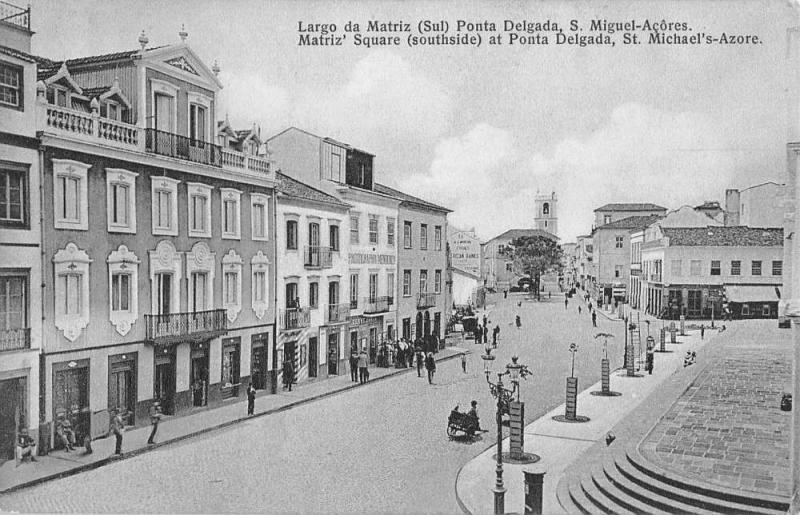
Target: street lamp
<point>504,398</point>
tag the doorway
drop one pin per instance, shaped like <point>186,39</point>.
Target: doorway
<point>694,303</point>
<point>290,354</point>
<point>12,414</point>
<point>312,356</point>
<point>122,386</point>
<point>164,380</point>
<point>71,396</point>
<point>258,361</point>
<point>333,354</point>
<point>354,341</point>
<point>198,378</point>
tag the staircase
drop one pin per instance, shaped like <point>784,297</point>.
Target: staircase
<point>626,482</point>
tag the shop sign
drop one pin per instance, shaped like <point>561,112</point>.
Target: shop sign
<point>358,258</point>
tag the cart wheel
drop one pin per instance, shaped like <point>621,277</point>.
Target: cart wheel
<point>451,431</point>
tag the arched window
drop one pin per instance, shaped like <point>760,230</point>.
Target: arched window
<point>546,208</point>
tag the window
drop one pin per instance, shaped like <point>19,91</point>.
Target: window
<point>406,283</point>
<point>423,236</point>
<point>423,281</point>
<point>121,200</point>
<point>199,286</point>
<point>71,196</point>
<point>736,267</point>
<point>373,229</point>
<point>618,241</point>
<point>199,210</point>
<point>354,228</point>
<point>258,214</point>
<point>373,287</point>
<point>123,271</point>
<point>745,309</point>
<point>437,237</point>
<point>13,304</point>
<point>716,267</point>
<point>353,291</point>
<point>606,219</point>
<point>437,282</point>
<point>333,237</point>
<point>231,288</point>
<point>694,267</point>
<point>313,294</point>
<point>71,290</point>
<point>231,213</point>
<point>390,231</point>
<point>164,293</point>
<point>407,235</point>
<point>164,113</point>
<point>113,111</point>
<point>765,310</point>
<point>336,165</point>
<point>676,267</point>
<point>618,269</point>
<point>291,234</point>
<point>259,286</point>
<point>166,270</point>
<point>509,266</point>
<point>756,268</point>
<point>71,283</point>
<point>120,292</point>
<point>777,268</point>
<point>259,291</point>
<point>164,205</point>
<point>197,122</point>
<point>13,195</point>
<point>390,286</point>
<point>11,85</point>
<point>200,269</point>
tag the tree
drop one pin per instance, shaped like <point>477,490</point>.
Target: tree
<point>534,255</point>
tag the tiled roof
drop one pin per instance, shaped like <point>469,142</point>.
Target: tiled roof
<point>405,197</point>
<point>48,67</point>
<point>631,207</point>
<point>95,92</point>
<point>297,189</point>
<point>16,53</point>
<point>632,222</point>
<point>735,236</point>
<point>516,233</point>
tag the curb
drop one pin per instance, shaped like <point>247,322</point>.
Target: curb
<point>142,450</point>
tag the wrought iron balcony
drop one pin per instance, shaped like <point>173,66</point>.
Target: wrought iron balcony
<point>376,304</point>
<point>15,339</point>
<point>318,257</point>
<point>174,327</point>
<point>426,300</point>
<point>294,318</point>
<point>337,313</point>
<point>181,147</point>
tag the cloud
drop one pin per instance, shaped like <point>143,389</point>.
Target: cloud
<point>640,154</point>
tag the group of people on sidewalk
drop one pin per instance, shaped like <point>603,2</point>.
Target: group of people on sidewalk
<point>359,366</point>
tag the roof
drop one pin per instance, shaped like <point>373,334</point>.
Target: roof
<point>327,139</point>
<point>459,271</point>
<point>96,91</point>
<point>762,184</point>
<point>631,207</point>
<point>47,66</point>
<point>734,236</point>
<point>516,233</point>
<point>631,222</point>
<point>410,199</point>
<point>296,189</point>
<point>751,293</point>
<point>709,204</point>
<point>16,53</point>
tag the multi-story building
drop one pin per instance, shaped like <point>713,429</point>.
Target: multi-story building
<point>757,206</point>
<point>707,272</point>
<point>584,261</point>
<point>20,235</point>
<point>313,288</point>
<point>347,173</point>
<point>421,292</point>
<point>570,251</point>
<point>613,212</point>
<point>612,256</point>
<point>497,268</point>
<point>465,250</point>
<point>158,240</point>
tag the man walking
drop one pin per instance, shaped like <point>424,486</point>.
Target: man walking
<point>464,362</point>
<point>362,367</point>
<point>518,322</point>
<point>354,366</point>
<point>420,360</point>
<point>155,418</point>
<point>702,331</point>
<point>117,427</point>
<point>251,399</point>
<point>566,302</point>
<point>430,366</point>
<point>650,360</point>
<point>495,333</point>
<point>594,318</point>
<point>288,374</point>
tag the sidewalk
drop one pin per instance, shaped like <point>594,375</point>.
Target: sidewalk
<point>174,429</point>
<point>561,444</point>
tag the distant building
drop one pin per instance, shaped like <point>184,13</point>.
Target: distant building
<point>546,213</point>
<point>465,285</point>
<point>465,250</point>
<point>498,270</point>
<point>584,260</point>
<point>756,206</point>
<point>570,259</point>
<point>712,209</point>
<point>613,212</point>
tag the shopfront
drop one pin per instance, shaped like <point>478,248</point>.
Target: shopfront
<point>198,373</point>
<point>365,334</point>
<point>122,385</point>
<point>71,395</point>
<point>13,415</point>
<point>259,362</point>
<point>230,381</point>
<point>164,377</point>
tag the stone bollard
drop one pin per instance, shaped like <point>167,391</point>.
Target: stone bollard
<point>534,487</point>
<point>572,398</point>
<point>683,325</point>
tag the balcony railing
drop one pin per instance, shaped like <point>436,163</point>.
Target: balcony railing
<point>426,300</point>
<point>295,318</point>
<point>318,257</point>
<point>337,313</point>
<point>14,15</point>
<point>181,147</point>
<point>15,339</point>
<point>173,327</point>
<point>376,304</point>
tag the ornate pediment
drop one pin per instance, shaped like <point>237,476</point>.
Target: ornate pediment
<point>182,63</point>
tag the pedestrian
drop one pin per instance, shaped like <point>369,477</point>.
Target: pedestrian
<point>473,412</point>
<point>590,305</point>
<point>420,360</point>
<point>519,304</point>
<point>410,356</point>
<point>363,362</point>
<point>251,399</point>
<point>505,294</point>
<point>288,374</point>
<point>495,334</point>
<point>65,433</point>
<point>594,318</point>
<point>702,331</point>
<point>650,360</point>
<point>566,302</point>
<point>478,336</point>
<point>484,320</point>
<point>354,366</point>
<point>464,362</point>
<point>155,418</point>
<point>485,331</point>
<point>25,446</point>
<point>518,322</point>
<point>117,427</point>
<point>430,366</point>
<point>579,309</point>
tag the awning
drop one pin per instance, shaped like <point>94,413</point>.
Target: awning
<point>752,293</point>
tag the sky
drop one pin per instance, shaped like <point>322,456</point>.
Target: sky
<point>481,130</point>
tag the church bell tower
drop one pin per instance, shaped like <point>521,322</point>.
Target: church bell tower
<point>546,213</point>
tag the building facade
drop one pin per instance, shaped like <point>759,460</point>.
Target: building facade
<point>465,250</point>
<point>158,241</point>
<point>613,212</point>
<point>546,218</point>
<point>757,206</point>
<point>498,269</point>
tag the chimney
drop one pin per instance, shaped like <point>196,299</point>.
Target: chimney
<point>15,27</point>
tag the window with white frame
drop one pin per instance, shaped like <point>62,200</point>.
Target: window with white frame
<point>199,117</point>
<point>716,267</point>
<point>777,267</point>
<point>71,290</point>
<point>165,278</point>
<point>291,234</point>
<point>437,282</point>
<point>390,286</point>
<point>231,211</point>
<point>406,234</point>
<point>258,215</point>
<point>14,195</point>
<point>354,228</point>
<point>390,231</point>
<point>199,207</point>
<point>755,268</point>
<point>232,284</point>
<point>13,300</point>
<point>423,236</point>
<point>121,200</point>
<point>164,202</point>
<point>437,237</point>
<point>259,291</point>
<point>736,267</point>
<point>11,79</point>
<point>618,242</point>
<point>123,279</point>
<point>70,192</point>
<point>373,229</point>
<point>333,237</point>
<point>406,283</point>
<point>200,270</point>
<point>313,294</point>
<point>423,281</point>
<point>695,266</point>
